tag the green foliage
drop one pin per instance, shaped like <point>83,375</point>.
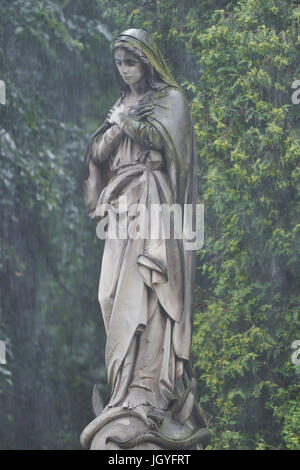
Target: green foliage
<point>249,146</point>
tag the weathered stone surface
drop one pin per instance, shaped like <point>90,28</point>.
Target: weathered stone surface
<point>118,423</point>
<point>145,152</point>
<point>117,429</point>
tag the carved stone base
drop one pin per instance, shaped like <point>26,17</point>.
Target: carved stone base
<point>117,429</point>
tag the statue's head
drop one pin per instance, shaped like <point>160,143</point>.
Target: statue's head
<point>131,62</point>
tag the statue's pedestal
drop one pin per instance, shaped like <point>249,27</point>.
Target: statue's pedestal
<point>119,429</point>
<point>117,423</point>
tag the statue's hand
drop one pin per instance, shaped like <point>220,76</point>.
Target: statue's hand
<point>141,111</point>
<point>114,113</point>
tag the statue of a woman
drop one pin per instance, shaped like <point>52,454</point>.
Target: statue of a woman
<point>145,151</point>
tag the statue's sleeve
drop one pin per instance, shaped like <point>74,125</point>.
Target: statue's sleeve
<point>140,131</point>
<point>105,145</point>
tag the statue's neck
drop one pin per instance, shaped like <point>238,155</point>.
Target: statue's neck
<point>139,88</point>
<point>132,99</point>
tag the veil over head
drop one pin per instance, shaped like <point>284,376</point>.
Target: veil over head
<point>142,43</point>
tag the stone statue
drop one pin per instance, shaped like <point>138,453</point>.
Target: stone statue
<point>145,151</point>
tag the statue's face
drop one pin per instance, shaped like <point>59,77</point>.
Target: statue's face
<point>130,67</point>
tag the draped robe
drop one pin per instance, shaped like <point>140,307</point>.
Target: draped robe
<point>146,285</point>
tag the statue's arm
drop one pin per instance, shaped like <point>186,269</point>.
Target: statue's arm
<point>105,145</point>
<point>140,131</point>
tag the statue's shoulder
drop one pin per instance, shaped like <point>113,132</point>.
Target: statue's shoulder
<point>174,95</point>
<point>176,92</point>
